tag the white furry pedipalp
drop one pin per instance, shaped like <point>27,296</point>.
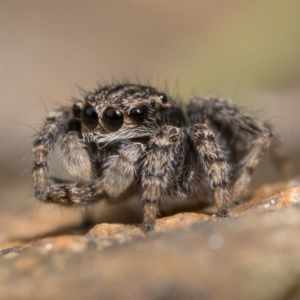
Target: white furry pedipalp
<point>75,157</point>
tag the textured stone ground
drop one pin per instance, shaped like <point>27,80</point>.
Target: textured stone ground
<point>253,254</point>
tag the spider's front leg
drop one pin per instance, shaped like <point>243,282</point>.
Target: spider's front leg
<point>46,189</point>
<point>160,170</point>
<point>214,165</point>
<point>56,124</point>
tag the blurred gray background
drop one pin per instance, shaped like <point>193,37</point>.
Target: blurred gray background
<point>248,51</point>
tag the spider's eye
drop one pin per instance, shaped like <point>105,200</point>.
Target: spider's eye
<point>76,111</point>
<point>112,119</point>
<point>163,97</point>
<point>138,113</point>
<point>152,102</point>
<point>220,105</point>
<point>90,117</point>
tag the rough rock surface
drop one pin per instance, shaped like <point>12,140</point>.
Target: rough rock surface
<point>253,254</point>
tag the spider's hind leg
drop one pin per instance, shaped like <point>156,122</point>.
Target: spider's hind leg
<point>246,139</point>
<point>279,157</point>
<point>260,142</point>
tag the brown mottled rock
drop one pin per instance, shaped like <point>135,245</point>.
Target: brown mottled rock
<point>253,254</point>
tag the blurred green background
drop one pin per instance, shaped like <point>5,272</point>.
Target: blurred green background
<point>248,51</point>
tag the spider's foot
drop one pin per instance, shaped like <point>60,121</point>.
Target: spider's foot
<point>147,228</point>
<point>39,194</point>
<point>236,202</point>
<point>223,213</point>
<point>87,223</point>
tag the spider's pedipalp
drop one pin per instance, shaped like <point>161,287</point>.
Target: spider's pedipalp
<point>75,157</point>
<point>123,169</point>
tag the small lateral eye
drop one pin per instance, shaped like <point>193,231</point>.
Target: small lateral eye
<point>152,102</point>
<point>138,113</point>
<point>90,117</point>
<point>76,111</point>
<point>112,118</point>
<point>220,105</point>
<point>163,97</point>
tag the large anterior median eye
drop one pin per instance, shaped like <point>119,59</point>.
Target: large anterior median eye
<point>112,119</point>
<point>90,117</point>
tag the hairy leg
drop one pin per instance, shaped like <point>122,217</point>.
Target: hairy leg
<point>280,159</point>
<point>248,164</point>
<point>55,124</point>
<point>47,189</point>
<point>214,165</point>
<point>74,194</point>
<point>231,125</point>
<point>160,170</point>
<point>262,139</point>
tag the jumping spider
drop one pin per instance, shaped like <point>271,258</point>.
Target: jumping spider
<point>129,138</point>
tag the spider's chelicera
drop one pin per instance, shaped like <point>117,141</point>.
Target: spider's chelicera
<point>128,138</point>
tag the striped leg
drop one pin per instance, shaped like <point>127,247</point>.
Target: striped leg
<point>248,164</point>
<point>46,189</point>
<point>55,124</point>
<point>213,162</point>
<point>160,170</point>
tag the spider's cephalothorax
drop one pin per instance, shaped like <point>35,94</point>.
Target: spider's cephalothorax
<point>128,135</point>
